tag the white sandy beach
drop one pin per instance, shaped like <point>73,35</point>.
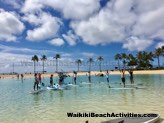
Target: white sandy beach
<point>92,73</point>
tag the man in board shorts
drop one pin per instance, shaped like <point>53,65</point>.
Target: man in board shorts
<point>51,80</point>
<point>131,76</point>
<point>123,77</point>
<point>36,82</point>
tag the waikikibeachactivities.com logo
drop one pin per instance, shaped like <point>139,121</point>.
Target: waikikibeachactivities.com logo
<point>92,114</point>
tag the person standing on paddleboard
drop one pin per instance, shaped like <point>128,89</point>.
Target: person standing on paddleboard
<point>107,77</point>
<point>51,80</point>
<point>22,77</point>
<point>40,78</point>
<point>74,76</point>
<point>131,76</point>
<point>36,82</point>
<point>123,77</point>
<point>89,76</point>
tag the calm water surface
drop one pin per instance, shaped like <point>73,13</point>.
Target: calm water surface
<point>17,105</point>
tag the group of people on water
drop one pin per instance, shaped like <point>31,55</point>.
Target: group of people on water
<point>62,76</point>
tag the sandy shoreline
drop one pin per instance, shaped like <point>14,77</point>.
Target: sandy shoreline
<point>92,73</point>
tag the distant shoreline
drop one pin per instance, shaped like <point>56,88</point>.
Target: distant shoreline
<point>115,72</point>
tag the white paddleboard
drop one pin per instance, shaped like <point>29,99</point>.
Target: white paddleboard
<point>140,87</point>
<point>152,119</point>
<point>85,83</point>
<point>36,91</point>
<point>71,85</point>
<point>57,87</point>
<point>134,84</point>
<point>121,88</point>
<point>51,88</point>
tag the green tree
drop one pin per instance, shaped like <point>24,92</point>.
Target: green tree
<point>157,54</point>
<point>118,58</point>
<point>132,61</point>
<point>78,61</point>
<point>57,56</point>
<point>43,59</point>
<point>90,62</point>
<point>162,50</point>
<point>35,59</point>
<point>144,59</point>
<point>100,59</point>
<point>124,58</point>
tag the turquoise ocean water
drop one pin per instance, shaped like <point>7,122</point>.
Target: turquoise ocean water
<point>17,105</point>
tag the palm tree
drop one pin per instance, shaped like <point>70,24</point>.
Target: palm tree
<point>43,59</point>
<point>132,61</point>
<point>57,56</point>
<point>124,57</point>
<point>100,59</point>
<point>144,59</point>
<point>162,50</point>
<point>118,58</point>
<point>78,61</point>
<point>35,59</point>
<point>90,62</point>
<point>158,53</point>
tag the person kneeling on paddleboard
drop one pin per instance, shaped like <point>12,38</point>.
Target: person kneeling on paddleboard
<point>36,82</point>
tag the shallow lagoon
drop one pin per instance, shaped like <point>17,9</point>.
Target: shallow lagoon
<point>17,105</point>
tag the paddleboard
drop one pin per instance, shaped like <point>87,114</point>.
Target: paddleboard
<point>121,88</point>
<point>71,85</point>
<point>64,87</point>
<point>85,83</point>
<point>133,84</point>
<point>153,119</point>
<point>36,91</point>
<point>51,88</point>
<point>138,87</point>
<point>57,87</point>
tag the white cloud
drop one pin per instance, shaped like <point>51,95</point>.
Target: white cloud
<point>160,44</point>
<point>135,43</point>
<point>31,6</point>
<point>149,23</point>
<point>100,29</point>
<point>121,20</point>
<point>47,26</point>
<point>70,9</point>
<point>159,34</point>
<point>11,26</point>
<point>23,50</point>
<point>70,38</point>
<point>86,54</point>
<point>11,57</point>
<point>57,42</point>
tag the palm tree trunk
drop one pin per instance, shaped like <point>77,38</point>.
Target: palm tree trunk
<point>56,65</point>
<point>43,66</point>
<point>158,63</point>
<point>34,67</point>
<point>118,64</point>
<point>89,67</point>
<point>100,67</point>
<point>78,67</point>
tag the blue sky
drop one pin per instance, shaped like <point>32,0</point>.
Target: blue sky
<point>78,28</point>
